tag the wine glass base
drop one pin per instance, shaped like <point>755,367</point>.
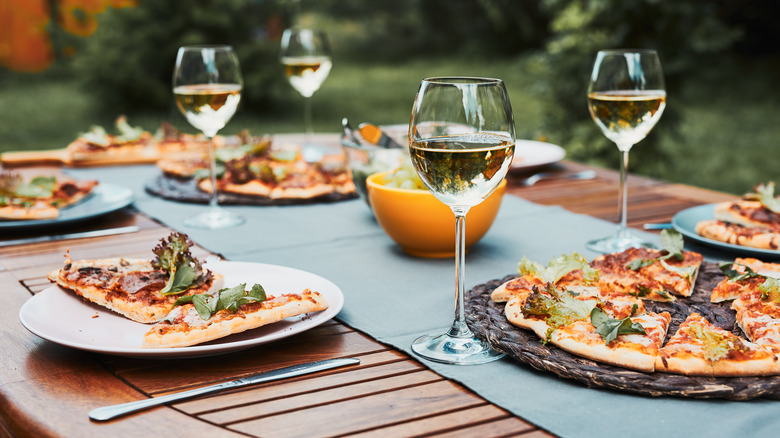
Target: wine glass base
<point>448,349</point>
<point>214,218</point>
<point>618,241</point>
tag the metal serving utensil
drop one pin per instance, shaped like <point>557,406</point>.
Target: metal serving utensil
<point>108,412</point>
<point>533,179</point>
<point>53,237</point>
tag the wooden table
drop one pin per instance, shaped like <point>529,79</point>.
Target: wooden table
<point>47,389</point>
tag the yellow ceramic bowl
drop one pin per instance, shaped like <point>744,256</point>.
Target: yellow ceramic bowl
<point>421,224</point>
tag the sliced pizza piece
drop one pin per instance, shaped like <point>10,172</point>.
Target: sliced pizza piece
<point>632,342</point>
<point>700,348</point>
<point>41,197</point>
<point>762,237</point>
<point>187,324</point>
<point>744,275</point>
<point>761,328</point>
<point>544,310</point>
<point>521,286</point>
<point>747,213</point>
<point>647,274</point>
<point>140,289</point>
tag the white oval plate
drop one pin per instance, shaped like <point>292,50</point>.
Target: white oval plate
<point>532,154</point>
<point>62,317</point>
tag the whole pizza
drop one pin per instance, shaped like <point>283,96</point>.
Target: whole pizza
<point>254,167</point>
<point>616,309</point>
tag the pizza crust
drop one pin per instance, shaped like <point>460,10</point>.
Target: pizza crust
<point>193,330</point>
<point>736,234</point>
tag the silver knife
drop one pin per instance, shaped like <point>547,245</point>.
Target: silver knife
<point>109,412</point>
<point>53,237</point>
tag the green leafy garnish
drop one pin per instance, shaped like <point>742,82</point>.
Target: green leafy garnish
<point>609,328</point>
<point>686,272</point>
<point>229,299</point>
<point>127,132</point>
<point>557,309</point>
<point>716,345</point>
<point>765,193</point>
<point>734,275</point>
<point>173,255</point>
<point>38,187</point>
<point>770,290</point>
<point>558,267</point>
<point>672,242</point>
<point>97,135</point>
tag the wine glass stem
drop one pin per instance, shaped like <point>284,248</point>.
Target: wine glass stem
<point>459,328</point>
<point>212,172</point>
<point>307,118</point>
<point>623,193</point>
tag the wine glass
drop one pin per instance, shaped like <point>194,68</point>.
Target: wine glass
<point>207,85</point>
<point>305,54</point>
<point>626,97</point>
<point>461,141</point>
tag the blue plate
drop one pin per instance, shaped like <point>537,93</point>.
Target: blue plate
<point>104,199</point>
<point>686,220</point>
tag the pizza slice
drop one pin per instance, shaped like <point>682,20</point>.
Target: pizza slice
<point>761,237</point>
<point>744,275</point>
<point>761,328</point>
<point>700,348</point>
<point>649,274</point>
<point>632,342</point>
<point>142,290</point>
<point>204,317</point>
<point>41,197</point>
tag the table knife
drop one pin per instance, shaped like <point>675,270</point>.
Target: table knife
<point>108,412</point>
<point>53,237</point>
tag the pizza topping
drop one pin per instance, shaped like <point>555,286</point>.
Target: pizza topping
<point>229,299</point>
<point>173,255</point>
<point>558,267</point>
<point>556,307</point>
<point>610,328</point>
<point>716,344</point>
<point>672,242</point>
<point>765,193</point>
<point>770,290</point>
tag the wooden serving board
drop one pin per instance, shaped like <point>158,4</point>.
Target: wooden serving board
<point>63,157</point>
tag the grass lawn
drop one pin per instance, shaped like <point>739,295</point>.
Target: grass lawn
<point>726,141</point>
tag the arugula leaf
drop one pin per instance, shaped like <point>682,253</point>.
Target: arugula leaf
<point>733,275</point>
<point>765,193</point>
<point>685,272</point>
<point>182,279</point>
<point>672,241</point>
<point>229,299</point>
<point>558,267</point>
<point>97,135</point>
<point>770,290</point>
<point>638,264</point>
<point>609,328</point>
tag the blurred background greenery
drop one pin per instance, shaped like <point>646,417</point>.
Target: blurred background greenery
<point>114,57</point>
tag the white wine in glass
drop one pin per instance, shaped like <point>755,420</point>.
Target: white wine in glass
<point>626,97</point>
<point>305,54</point>
<point>207,86</point>
<point>461,141</point>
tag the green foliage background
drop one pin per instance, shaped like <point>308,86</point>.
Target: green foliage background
<point>720,59</point>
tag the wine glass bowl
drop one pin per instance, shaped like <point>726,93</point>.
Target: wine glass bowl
<point>207,87</point>
<point>461,141</point>
<point>626,98</point>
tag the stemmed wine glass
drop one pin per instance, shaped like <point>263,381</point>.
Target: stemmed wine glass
<point>207,85</point>
<point>461,141</point>
<point>626,97</point>
<point>305,54</point>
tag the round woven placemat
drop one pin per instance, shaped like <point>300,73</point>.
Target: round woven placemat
<point>186,190</point>
<point>487,320</point>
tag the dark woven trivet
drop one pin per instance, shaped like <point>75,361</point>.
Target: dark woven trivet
<point>487,320</point>
<point>186,190</point>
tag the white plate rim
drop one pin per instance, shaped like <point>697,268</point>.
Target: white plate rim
<point>535,154</point>
<point>685,222</point>
<point>105,198</point>
<point>82,324</point>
